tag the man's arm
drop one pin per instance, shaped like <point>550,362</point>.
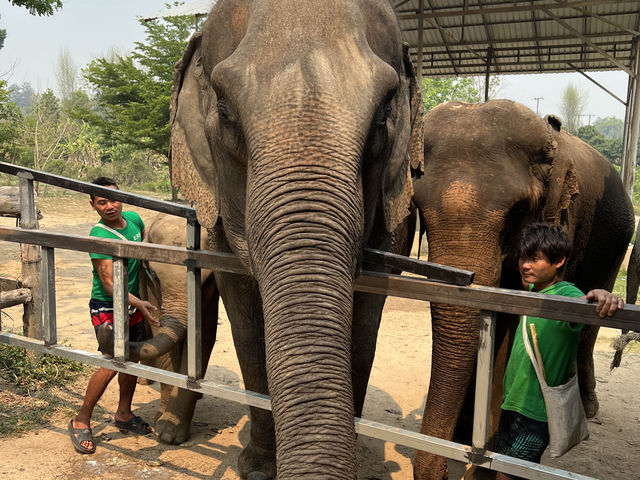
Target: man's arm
<point>104,267</point>
<point>608,303</point>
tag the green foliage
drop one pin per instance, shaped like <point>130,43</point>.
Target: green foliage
<point>42,373</point>
<point>610,148</point>
<point>10,123</point>
<point>439,90</point>
<point>39,7</point>
<point>33,402</point>
<point>610,127</point>
<point>3,35</point>
<point>134,92</point>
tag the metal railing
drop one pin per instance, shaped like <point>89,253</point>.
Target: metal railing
<point>486,299</point>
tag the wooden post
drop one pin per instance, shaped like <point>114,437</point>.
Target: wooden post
<point>120,309</point>
<point>30,257</point>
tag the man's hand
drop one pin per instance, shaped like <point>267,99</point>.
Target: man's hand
<point>608,303</point>
<point>148,310</point>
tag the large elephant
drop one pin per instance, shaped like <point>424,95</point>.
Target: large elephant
<point>293,122</point>
<point>633,270</point>
<point>490,169</point>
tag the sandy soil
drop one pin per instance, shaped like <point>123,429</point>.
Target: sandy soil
<point>396,394</point>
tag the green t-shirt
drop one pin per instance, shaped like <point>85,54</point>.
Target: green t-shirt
<point>558,342</point>
<point>133,231</point>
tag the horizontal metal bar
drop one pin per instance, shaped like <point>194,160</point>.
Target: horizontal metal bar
<point>89,188</point>
<point>434,271</point>
<point>480,297</point>
<point>510,7</point>
<point>369,428</point>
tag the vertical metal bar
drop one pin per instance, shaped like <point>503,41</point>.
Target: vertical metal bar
<point>484,377</point>
<point>49,296</point>
<point>195,368</point>
<point>120,309</point>
<point>630,149</point>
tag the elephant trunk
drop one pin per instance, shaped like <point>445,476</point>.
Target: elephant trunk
<point>304,227</point>
<point>455,333</point>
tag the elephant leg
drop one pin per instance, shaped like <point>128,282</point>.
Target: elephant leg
<point>244,309</point>
<point>367,311</point>
<point>586,372</point>
<point>173,423</point>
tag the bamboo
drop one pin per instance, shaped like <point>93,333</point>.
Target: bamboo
<point>534,340</point>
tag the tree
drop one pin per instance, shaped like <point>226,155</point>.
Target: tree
<point>610,127</point>
<point>134,92</point>
<point>22,95</point>
<point>10,124</point>
<point>439,90</point>
<point>3,35</point>
<point>573,102</point>
<point>610,148</point>
<point>39,7</point>
<point>66,73</point>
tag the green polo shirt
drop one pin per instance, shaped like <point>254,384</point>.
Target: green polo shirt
<point>132,231</point>
<point>558,342</point>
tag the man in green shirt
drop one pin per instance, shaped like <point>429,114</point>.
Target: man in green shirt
<point>523,431</point>
<point>116,224</point>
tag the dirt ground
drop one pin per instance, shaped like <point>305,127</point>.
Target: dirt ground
<point>396,394</point>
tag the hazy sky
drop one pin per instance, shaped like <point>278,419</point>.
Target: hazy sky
<point>88,28</point>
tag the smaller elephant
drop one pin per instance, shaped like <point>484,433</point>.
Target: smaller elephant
<point>165,286</point>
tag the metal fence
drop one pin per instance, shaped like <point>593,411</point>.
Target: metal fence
<point>451,287</point>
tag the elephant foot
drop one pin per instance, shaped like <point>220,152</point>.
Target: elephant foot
<point>172,429</point>
<point>590,404</point>
<point>255,463</point>
<point>427,466</point>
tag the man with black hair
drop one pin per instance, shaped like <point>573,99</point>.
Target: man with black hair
<point>523,431</point>
<point>115,224</point>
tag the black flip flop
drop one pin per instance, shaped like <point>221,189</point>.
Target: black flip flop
<point>134,425</point>
<point>79,435</point>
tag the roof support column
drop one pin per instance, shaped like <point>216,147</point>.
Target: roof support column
<point>632,123</point>
<point>420,41</point>
<point>488,72</point>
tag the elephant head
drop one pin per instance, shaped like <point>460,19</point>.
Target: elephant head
<point>292,121</point>
<point>490,169</point>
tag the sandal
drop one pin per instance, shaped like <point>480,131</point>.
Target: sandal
<point>79,435</point>
<point>134,425</point>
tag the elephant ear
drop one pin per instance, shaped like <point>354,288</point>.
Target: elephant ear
<point>189,153</point>
<point>407,153</point>
<point>562,182</point>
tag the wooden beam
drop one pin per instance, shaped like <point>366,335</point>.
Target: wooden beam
<point>89,188</point>
<point>226,262</point>
<point>11,298</point>
<point>434,271</point>
<point>480,297</point>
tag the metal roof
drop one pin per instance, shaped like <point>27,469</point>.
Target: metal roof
<point>519,36</point>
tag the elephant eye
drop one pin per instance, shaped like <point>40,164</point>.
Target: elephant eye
<point>223,110</point>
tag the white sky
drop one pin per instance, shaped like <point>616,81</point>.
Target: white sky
<point>88,28</point>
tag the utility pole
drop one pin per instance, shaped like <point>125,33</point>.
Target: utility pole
<point>537,99</point>
<point>588,115</point>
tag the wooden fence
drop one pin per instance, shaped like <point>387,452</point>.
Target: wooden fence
<point>445,285</point>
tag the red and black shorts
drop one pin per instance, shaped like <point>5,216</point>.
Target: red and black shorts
<point>102,312</point>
